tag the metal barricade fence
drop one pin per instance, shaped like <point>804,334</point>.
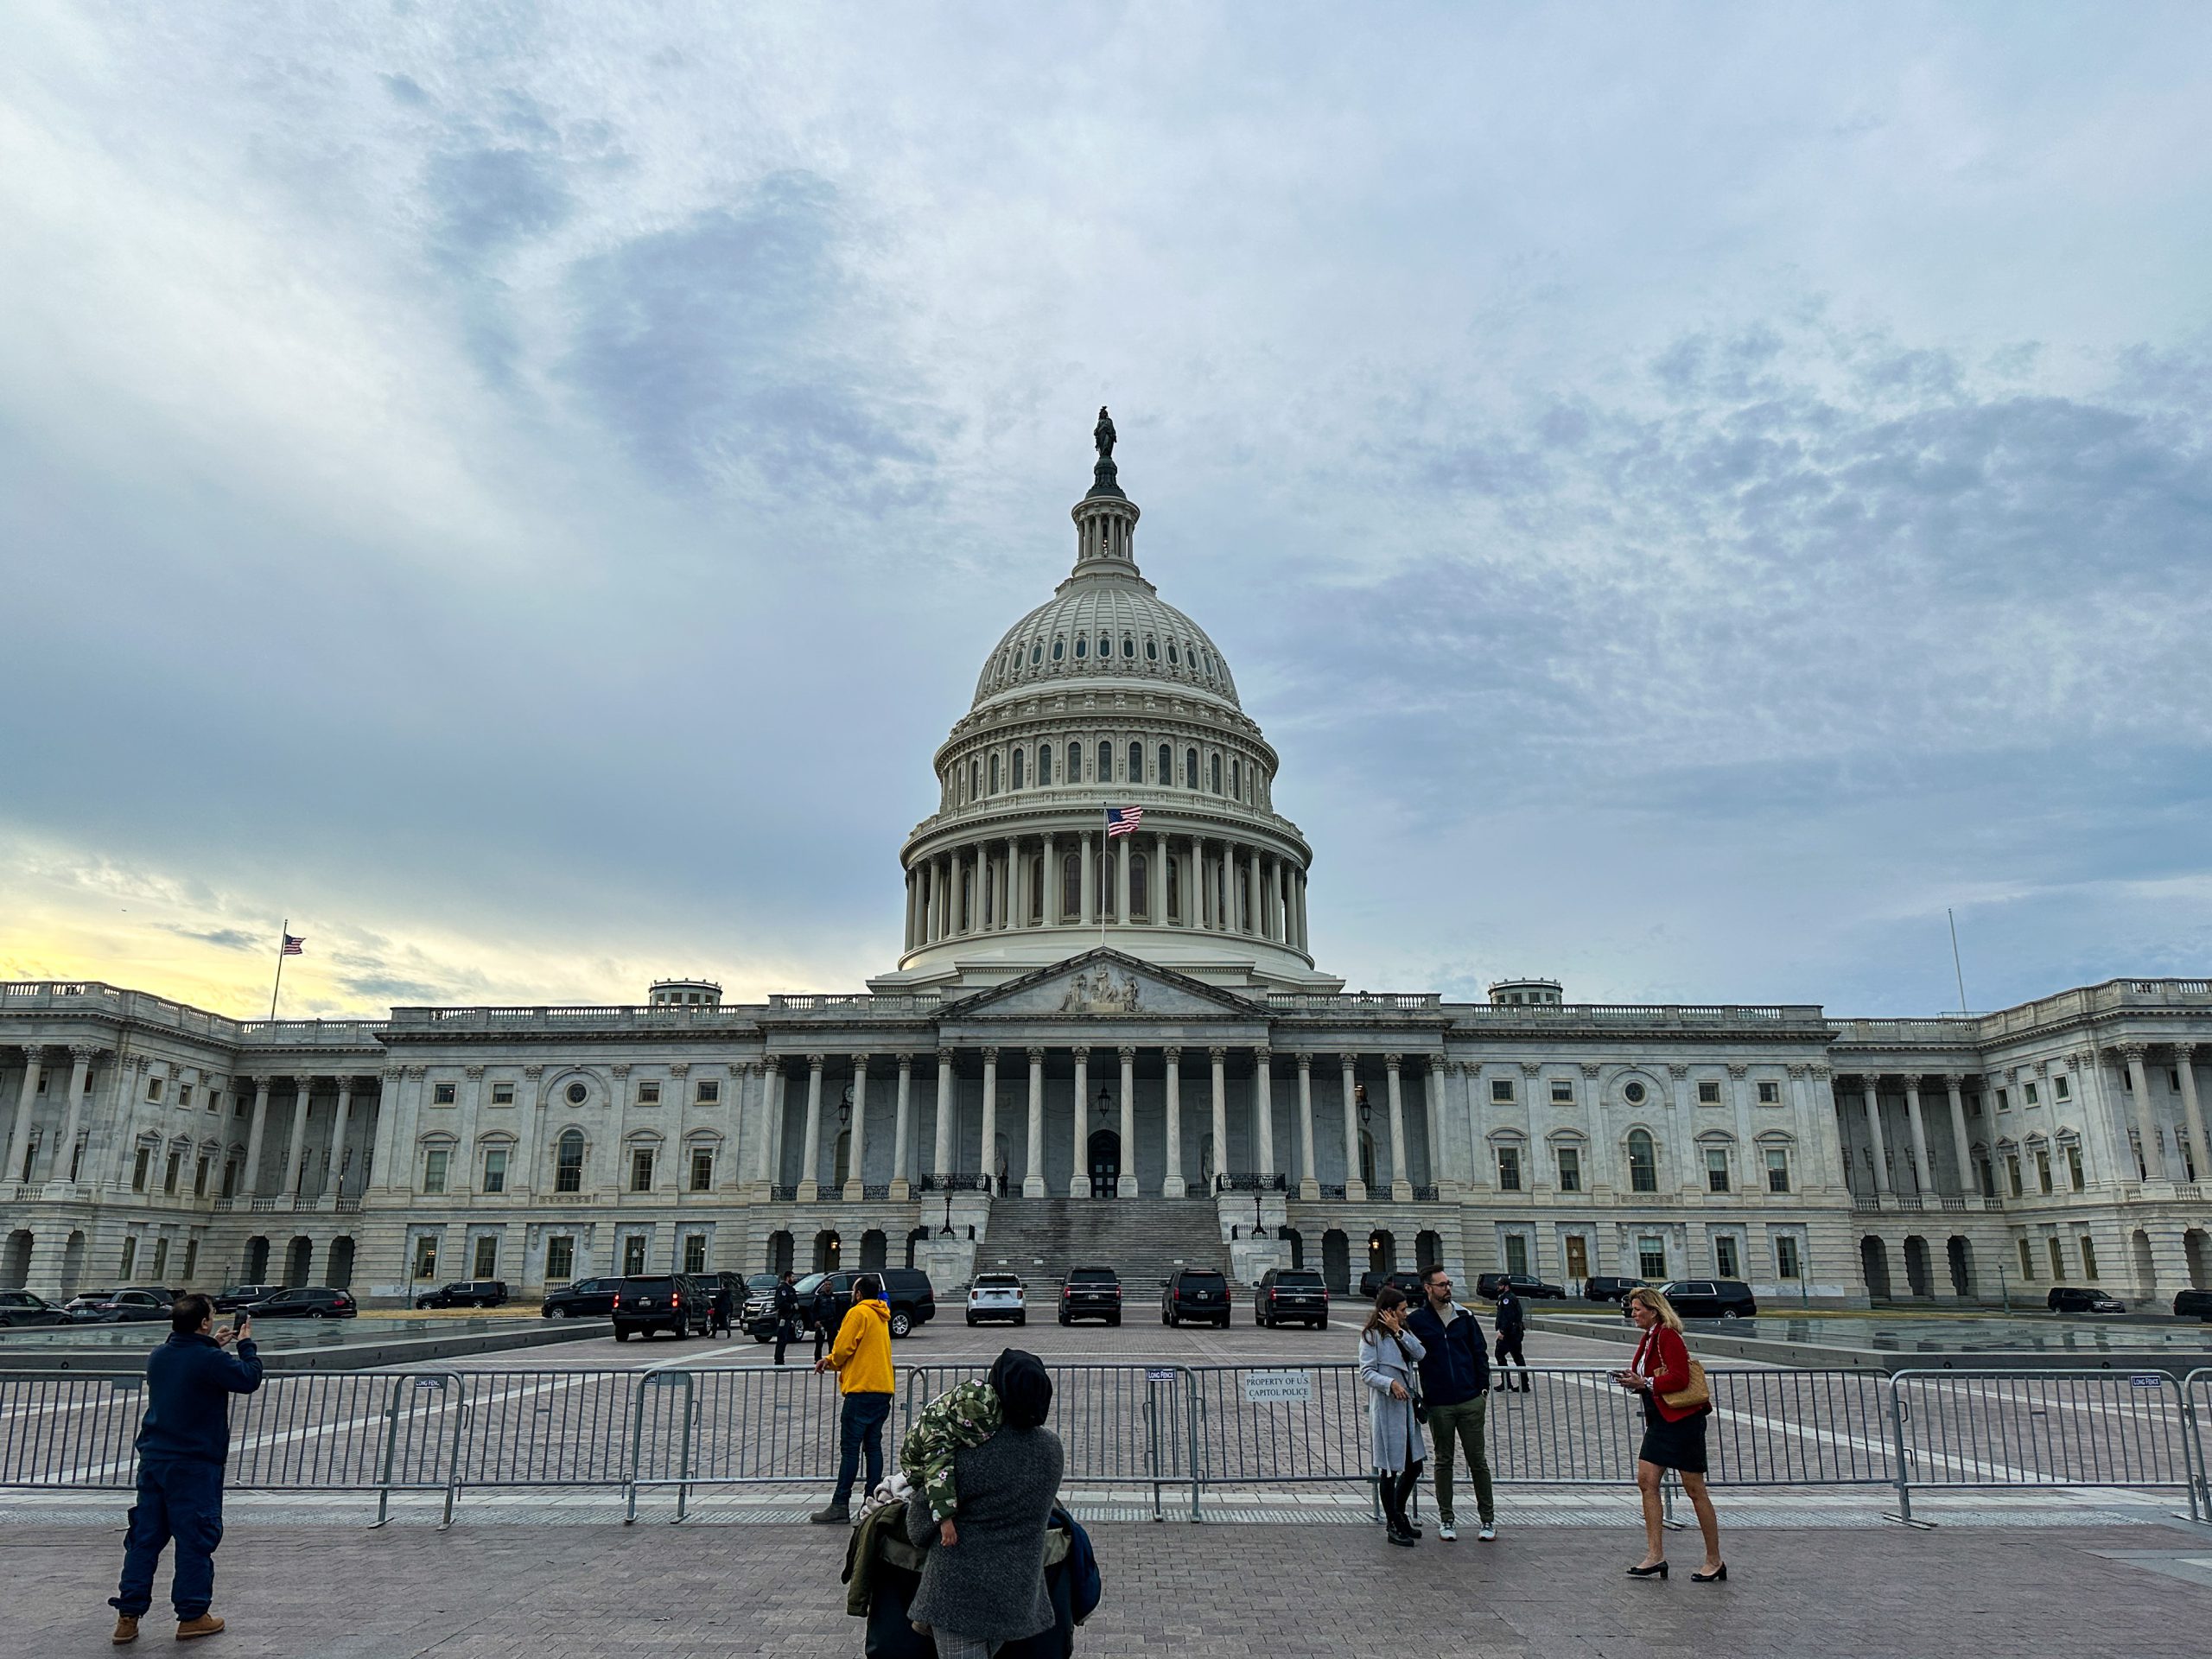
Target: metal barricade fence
<point>737,1426</point>
<point>350,1431</point>
<point>550,1428</point>
<point>2196,1402</point>
<point>1986,1429</point>
<point>72,1430</point>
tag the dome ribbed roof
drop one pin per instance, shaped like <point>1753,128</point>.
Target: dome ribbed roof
<point>1146,640</point>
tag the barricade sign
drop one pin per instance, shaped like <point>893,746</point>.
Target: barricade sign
<point>1159,1373</point>
<point>2141,1380</point>
<point>1277,1388</point>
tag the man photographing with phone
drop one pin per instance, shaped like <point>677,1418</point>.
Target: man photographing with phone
<point>183,1442</point>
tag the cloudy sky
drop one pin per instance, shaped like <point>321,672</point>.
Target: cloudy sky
<point>520,491</point>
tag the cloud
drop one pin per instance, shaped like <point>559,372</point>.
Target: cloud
<point>223,938</point>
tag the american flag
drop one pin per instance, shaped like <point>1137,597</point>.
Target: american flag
<point>1123,820</point>
<point>293,946</point>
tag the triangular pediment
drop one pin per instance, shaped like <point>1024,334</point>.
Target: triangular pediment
<point>1105,984</point>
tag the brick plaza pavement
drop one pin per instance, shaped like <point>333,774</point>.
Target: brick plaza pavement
<point>1196,1593</point>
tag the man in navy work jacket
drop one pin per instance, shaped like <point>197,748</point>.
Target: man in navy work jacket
<point>183,1445</point>
<point>1454,1381</point>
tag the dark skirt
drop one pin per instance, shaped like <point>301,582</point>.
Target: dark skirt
<point>1672,1445</point>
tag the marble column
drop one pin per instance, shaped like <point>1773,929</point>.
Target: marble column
<point>810,1163</point>
<point>1127,1186</point>
<point>947,1112</point>
<point>1032,1173</point>
<point>2193,1110</point>
<point>19,1138</point>
<point>1254,920</point>
<point>1355,1188</point>
<point>772,1106</point>
<point>1009,880</point>
<point>1309,1185</point>
<point>1924,1180</point>
<point>2147,1116</point>
<point>856,1159</point>
<point>1121,877</point>
<point>295,1150</point>
<point>1052,901</point>
<point>1872,1101</point>
<point>1155,885</point>
<point>1089,879</point>
<point>912,893</point>
<point>1079,1179</point>
<point>987,1147</point>
<point>1173,1186</point>
<point>1220,1058</point>
<point>902,1140</point>
<point>338,1126</point>
<point>1263,1110</point>
<point>1961,1144</point>
<point>1401,1186</point>
<point>80,1072</point>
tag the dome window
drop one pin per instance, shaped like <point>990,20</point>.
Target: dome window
<point>1216,774</point>
<point>1037,653</point>
<point>1018,767</point>
<point>1190,768</point>
<point>1173,661</point>
<point>1059,649</point>
<point>1075,763</point>
<point>1136,763</point>
<point>1082,647</point>
<point>1105,763</point>
<point>1105,646</point>
<point>1151,649</point>
<point>1167,774</point>
<point>995,774</point>
<point>1129,646</point>
<point>1043,764</point>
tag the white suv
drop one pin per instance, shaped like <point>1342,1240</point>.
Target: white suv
<point>996,1296</point>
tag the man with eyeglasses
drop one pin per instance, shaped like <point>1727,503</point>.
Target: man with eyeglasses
<point>1454,1384</point>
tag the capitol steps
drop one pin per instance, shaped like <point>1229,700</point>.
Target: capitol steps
<point>1143,1239</point>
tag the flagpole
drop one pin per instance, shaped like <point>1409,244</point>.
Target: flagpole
<point>1105,839</point>
<point>284,933</point>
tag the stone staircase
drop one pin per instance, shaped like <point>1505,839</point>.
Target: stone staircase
<point>1143,1239</point>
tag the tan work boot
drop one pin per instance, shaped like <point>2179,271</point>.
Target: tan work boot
<point>205,1624</point>
<point>126,1629</point>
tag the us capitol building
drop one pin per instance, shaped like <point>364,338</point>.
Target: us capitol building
<point>1113,1047</point>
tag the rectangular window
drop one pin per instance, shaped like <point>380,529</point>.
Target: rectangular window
<point>1716,1169</point>
<point>161,1260</point>
<point>426,1256</point>
<point>2173,1079</point>
<point>2057,1257</point>
<point>140,1167</point>
<point>633,1253</point>
<point>2027,1260</point>
<point>709,1091</point>
<point>2004,1100</point>
<point>702,1169</point>
<point>2088,1256</point>
<point>641,1169</point>
<point>1570,1170</point>
<point>649,1094</point>
<point>1651,1257</point>
<point>2061,1089</point>
<point>1708,1092</point>
<point>434,1169</point>
<point>1501,1089</point>
<point>1508,1169</point>
<point>153,1088</point>
<point>1777,1170</point>
<point>495,1172</point>
<point>2074,1174</point>
<point>183,1098</point>
<point>2028,1093</point>
<point>200,1178</point>
<point>191,1258</point>
<point>2012,1172</point>
<point>487,1262</point>
<point>129,1267</point>
<point>560,1257</point>
<point>1770,1094</point>
<point>694,1252</point>
<point>169,1172</point>
<point>1562,1091</point>
<point>2043,1171</point>
<point>1517,1253</point>
<point>443,1094</point>
<point>1786,1262</point>
<point>569,1164</point>
<point>1727,1256</point>
<point>503,1094</point>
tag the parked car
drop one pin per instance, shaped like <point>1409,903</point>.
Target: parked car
<point>119,1307</point>
<point>161,1293</point>
<point>2072,1299</point>
<point>84,1299</point>
<point>673,1302</point>
<point>997,1296</point>
<point>1194,1293</point>
<point>580,1299</point>
<point>2193,1304</point>
<point>759,1317</point>
<point>306,1302</point>
<point>467,1292</point>
<point>1711,1298</point>
<point>21,1307</point>
<point>1091,1293</point>
<point>908,1290</point>
<point>231,1297</point>
<point>1527,1287</point>
<point>1374,1279</point>
<point>1606,1288</point>
<point>1290,1295</point>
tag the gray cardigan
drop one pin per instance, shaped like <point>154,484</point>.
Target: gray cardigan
<point>991,1584</point>
<point>1393,1439</point>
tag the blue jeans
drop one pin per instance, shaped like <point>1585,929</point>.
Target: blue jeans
<point>861,1424</point>
<point>178,1501</point>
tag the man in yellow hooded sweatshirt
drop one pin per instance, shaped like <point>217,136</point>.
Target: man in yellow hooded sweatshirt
<point>862,1359</point>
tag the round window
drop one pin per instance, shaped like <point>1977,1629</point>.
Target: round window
<point>1633,1094</point>
<point>1082,647</point>
<point>578,1094</point>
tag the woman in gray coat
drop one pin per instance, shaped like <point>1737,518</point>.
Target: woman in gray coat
<point>989,1586</point>
<point>1389,1364</point>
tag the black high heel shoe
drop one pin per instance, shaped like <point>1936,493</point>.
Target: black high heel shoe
<point>1719,1575</point>
<point>1658,1570</point>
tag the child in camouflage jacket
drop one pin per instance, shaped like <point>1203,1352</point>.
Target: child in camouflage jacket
<point>966,1414</point>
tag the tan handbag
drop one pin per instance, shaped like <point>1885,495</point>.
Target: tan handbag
<point>1694,1393</point>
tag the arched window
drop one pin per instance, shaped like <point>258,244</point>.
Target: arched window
<point>995,774</point>
<point>1151,649</point>
<point>1059,649</point>
<point>1043,764</point>
<point>1075,763</point>
<point>1140,888</point>
<point>1017,757</point>
<point>1173,902</point>
<point>1217,774</point>
<point>1167,774</point>
<point>975,778</point>
<point>569,1162</point>
<point>1036,654</point>
<point>1082,647</point>
<point>1129,647</point>
<point>1237,777</point>
<point>1071,884</point>
<point>1190,768</point>
<point>1105,763</point>
<point>1136,763</point>
<point>1105,646</point>
<point>1174,660</point>
<point>1643,1163</point>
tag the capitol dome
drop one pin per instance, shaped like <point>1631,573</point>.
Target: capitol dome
<point>1106,700</point>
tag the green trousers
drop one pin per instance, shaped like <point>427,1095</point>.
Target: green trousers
<point>1464,1420</point>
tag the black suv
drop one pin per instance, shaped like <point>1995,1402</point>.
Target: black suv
<point>580,1299</point>
<point>2193,1304</point>
<point>1711,1298</point>
<point>467,1292</point>
<point>1371,1282</point>
<point>673,1302</point>
<point>1092,1294</point>
<point>21,1307</point>
<point>1288,1294</point>
<point>2070,1299</point>
<point>757,1313</point>
<point>908,1290</point>
<point>1605,1287</point>
<point>309,1302</point>
<point>118,1308</point>
<point>231,1297</point>
<point>1195,1293</point>
<point>1527,1287</point>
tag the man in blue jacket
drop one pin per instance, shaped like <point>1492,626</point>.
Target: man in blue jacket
<point>1454,1381</point>
<point>183,1445</point>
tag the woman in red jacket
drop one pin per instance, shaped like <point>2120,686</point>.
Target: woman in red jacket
<point>1673,1436</point>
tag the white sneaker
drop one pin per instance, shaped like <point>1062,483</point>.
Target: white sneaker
<point>1447,1532</point>
<point>1488,1535</point>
